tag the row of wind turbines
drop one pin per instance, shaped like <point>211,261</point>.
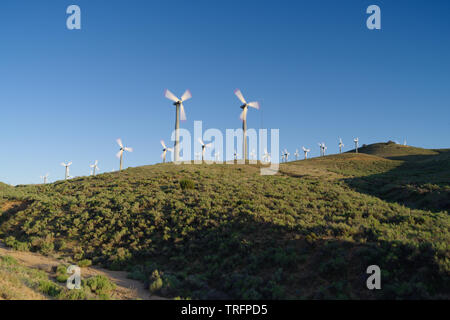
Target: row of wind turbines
<point>285,154</point>
<point>180,115</point>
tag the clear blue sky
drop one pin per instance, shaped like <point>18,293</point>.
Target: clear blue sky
<point>318,72</point>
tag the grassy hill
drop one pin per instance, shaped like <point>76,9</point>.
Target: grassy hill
<point>225,231</point>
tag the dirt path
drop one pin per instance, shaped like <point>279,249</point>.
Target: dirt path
<point>127,289</point>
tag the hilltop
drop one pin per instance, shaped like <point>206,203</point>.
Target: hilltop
<point>224,231</point>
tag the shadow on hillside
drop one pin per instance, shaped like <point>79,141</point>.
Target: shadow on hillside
<point>247,259</point>
<point>421,182</point>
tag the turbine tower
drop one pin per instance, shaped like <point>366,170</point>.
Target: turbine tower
<point>356,140</point>
<point>179,115</point>
<point>340,145</point>
<point>204,146</point>
<point>243,117</point>
<point>45,178</point>
<point>121,151</point>
<point>306,151</point>
<point>94,167</point>
<point>67,165</point>
<point>164,151</point>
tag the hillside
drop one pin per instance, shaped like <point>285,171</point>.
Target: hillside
<point>225,231</point>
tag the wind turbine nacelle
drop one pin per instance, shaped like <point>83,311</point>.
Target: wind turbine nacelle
<point>243,106</point>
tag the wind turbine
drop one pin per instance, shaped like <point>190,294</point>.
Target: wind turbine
<point>164,151</point>
<point>94,167</point>
<point>266,156</point>
<point>217,155</point>
<point>356,140</point>
<point>252,154</point>
<point>180,115</point>
<point>67,165</point>
<point>204,146</point>
<point>324,147</point>
<point>306,151</point>
<point>286,155</point>
<point>243,117</point>
<point>340,145</point>
<point>236,155</point>
<point>321,149</point>
<point>45,178</point>
<point>121,151</point>
<point>296,154</point>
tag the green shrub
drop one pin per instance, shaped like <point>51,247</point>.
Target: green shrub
<point>156,282</point>
<point>84,263</point>
<point>100,285</point>
<point>187,184</point>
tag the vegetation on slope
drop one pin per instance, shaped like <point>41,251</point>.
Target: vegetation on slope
<point>224,231</point>
<point>18,282</point>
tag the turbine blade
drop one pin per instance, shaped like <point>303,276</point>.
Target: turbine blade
<point>63,164</point>
<point>170,149</point>
<point>208,145</point>
<point>238,94</point>
<point>118,154</point>
<point>163,154</point>
<point>69,163</point>
<point>182,113</point>
<point>254,104</point>
<point>128,149</point>
<point>243,115</point>
<point>119,142</point>
<point>186,95</point>
<point>169,95</point>
<point>201,141</point>
<point>163,144</point>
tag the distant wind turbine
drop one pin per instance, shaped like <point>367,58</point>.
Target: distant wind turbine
<point>243,117</point>
<point>179,115</point>
<point>296,154</point>
<point>45,178</point>
<point>67,165</point>
<point>266,156</point>
<point>340,145</point>
<point>356,140</point>
<point>321,149</point>
<point>94,167</point>
<point>121,151</point>
<point>204,146</point>
<point>164,151</point>
<point>324,148</point>
<point>306,151</point>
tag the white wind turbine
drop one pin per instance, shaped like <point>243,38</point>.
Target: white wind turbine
<point>164,151</point>
<point>236,155</point>
<point>243,117</point>
<point>306,151</point>
<point>321,149</point>
<point>324,147</point>
<point>266,156</point>
<point>252,154</point>
<point>45,178</point>
<point>180,115</point>
<point>296,154</point>
<point>356,140</point>
<point>286,155</point>
<point>94,167</point>
<point>67,165</point>
<point>121,151</point>
<point>340,145</point>
<point>217,155</point>
<point>204,146</point>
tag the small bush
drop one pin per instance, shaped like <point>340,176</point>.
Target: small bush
<point>156,282</point>
<point>100,285</point>
<point>187,184</point>
<point>84,263</point>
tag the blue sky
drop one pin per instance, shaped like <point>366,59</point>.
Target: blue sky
<point>318,72</point>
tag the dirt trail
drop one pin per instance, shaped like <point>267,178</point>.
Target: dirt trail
<point>127,289</point>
